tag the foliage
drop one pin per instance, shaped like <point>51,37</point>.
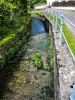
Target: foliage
<point>37,59</point>
<point>3,41</point>
<point>2,60</point>
<point>31,2</point>
<point>11,51</point>
<point>36,12</point>
<point>12,15</point>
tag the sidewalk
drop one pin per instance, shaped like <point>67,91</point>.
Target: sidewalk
<point>64,8</point>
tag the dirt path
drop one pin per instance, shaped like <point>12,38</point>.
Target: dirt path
<point>25,82</point>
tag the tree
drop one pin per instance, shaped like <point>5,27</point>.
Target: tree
<point>32,2</point>
<point>11,12</point>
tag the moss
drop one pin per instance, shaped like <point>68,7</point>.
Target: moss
<point>51,54</point>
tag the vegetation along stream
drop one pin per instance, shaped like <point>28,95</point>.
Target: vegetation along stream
<point>29,74</point>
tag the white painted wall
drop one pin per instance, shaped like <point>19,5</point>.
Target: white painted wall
<point>49,2</point>
<point>54,0</point>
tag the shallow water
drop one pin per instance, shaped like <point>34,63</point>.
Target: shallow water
<point>37,26</point>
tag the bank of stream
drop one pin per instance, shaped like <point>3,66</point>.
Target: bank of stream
<point>24,80</point>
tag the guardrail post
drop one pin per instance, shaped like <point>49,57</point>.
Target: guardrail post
<point>61,29</point>
<point>56,20</point>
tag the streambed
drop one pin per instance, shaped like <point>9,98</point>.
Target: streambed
<point>25,81</point>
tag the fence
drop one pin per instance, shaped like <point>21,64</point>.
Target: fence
<point>58,21</point>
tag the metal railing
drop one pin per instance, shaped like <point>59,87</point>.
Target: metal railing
<point>56,17</point>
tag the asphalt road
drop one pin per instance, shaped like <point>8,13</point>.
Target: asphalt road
<point>70,15</point>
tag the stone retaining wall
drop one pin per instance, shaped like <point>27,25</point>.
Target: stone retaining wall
<point>56,75</point>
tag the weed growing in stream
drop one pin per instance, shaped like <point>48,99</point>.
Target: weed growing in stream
<point>37,60</point>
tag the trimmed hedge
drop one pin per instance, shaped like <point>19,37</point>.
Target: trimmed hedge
<point>8,50</point>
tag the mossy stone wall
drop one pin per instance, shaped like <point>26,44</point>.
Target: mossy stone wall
<point>8,50</point>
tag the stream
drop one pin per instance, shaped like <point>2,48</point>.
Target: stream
<point>37,26</point>
<point>24,80</point>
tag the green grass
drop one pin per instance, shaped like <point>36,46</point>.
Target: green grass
<point>51,54</point>
<point>6,39</point>
<point>70,39</point>
<point>68,35</point>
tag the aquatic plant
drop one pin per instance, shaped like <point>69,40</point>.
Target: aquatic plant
<point>37,60</point>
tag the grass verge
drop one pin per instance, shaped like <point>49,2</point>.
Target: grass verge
<point>70,39</point>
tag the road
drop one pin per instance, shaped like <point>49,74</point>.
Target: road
<point>70,15</point>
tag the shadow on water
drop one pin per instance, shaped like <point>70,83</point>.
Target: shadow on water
<point>37,26</point>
